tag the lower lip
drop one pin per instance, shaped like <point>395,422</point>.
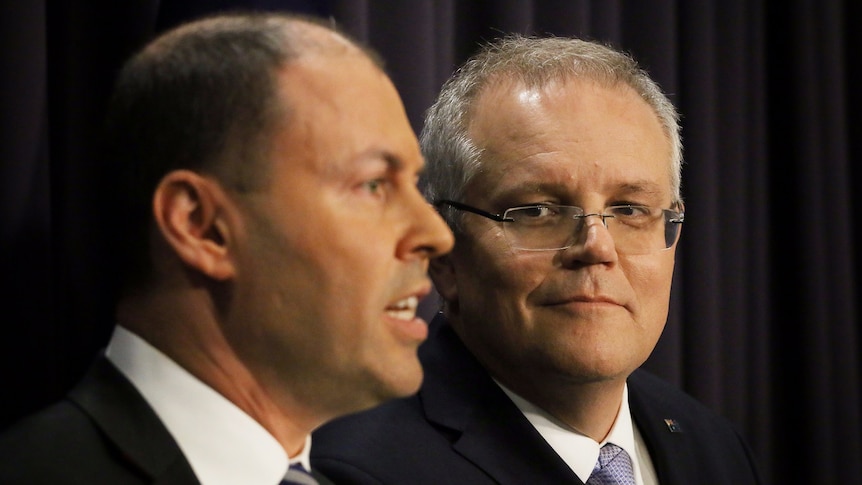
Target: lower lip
<point>581,305</point>
<point>415,330</point>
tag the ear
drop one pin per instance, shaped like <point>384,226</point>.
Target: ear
<point>191,213</point>
<point>442,273</point>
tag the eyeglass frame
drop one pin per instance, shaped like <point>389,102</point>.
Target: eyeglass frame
<point>502,217</point>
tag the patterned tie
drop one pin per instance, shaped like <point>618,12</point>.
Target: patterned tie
<point>614,467</point>
<point>298,475</point>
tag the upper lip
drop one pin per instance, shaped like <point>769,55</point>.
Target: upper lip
<point>420,293</point>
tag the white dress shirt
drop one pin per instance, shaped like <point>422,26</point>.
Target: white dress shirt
<point>581,452</point>
<point>223,444</point>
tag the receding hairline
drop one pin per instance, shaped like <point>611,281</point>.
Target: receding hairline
<point>303,35</point>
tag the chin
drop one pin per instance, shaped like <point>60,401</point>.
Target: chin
<point>405,384</point>
<point>394,385</point>
<point>598,370</point>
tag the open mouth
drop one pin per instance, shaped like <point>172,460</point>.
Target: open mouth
<point>404,309</point>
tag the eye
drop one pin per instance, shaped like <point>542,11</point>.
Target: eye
<point>629,211</point>
<point>375,186</point>
<point>635,216</point>
<point>535,214</point>
<point>537,211</point>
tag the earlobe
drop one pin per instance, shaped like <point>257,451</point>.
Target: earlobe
<point>189,211</point>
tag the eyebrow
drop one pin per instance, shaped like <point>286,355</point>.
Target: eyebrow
<point>643,187</point>
<point>375,156</point>
<point>393,162</point>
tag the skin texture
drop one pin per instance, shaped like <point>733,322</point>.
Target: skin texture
<point>283,299</point>
<point>563,329</point>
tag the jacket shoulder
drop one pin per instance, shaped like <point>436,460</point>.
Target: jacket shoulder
<point>688,442</point>
<point>60,444</point>
<point>102,432</point>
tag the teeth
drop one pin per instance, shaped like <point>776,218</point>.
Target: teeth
<point>404,309</point>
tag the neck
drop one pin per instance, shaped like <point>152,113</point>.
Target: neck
<point>588,408</point>
<point>199,346</point>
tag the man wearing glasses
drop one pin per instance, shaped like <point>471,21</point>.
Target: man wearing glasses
<point>556,162</point>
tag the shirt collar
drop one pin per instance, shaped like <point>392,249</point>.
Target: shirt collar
<point>579,451</point>
<point>223,444</point>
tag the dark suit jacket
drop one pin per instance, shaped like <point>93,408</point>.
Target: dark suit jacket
<point>103,432</point>
<point>462,429</point>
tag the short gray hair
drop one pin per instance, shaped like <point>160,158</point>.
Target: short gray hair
<point>453,159</point>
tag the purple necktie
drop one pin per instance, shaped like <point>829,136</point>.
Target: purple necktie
<point>614,467</point>
<point>298,475</point>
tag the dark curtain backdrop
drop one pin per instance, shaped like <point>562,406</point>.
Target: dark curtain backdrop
<point>764,325</point>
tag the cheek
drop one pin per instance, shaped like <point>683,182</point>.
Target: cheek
<point>650,278</point>
<point>500,278</point>
<point>326,272</point>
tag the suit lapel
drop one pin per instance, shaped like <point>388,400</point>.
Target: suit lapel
<point>131,425</point>
<point>490,431</point>
<point>667,433</point>
<point>321,479</point>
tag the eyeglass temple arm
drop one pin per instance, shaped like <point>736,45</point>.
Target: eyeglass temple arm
<point>465,207</point>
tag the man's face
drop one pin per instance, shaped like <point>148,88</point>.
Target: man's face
<point>335,250</point>
<point>578,315</point>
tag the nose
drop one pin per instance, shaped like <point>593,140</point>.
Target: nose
<point>593,243</point>
<point>428,235</point>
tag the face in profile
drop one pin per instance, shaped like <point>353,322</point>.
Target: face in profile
<point>336,247</point>
<point>582,314</point>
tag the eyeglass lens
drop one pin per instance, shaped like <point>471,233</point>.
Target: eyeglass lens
<point>634,230</point>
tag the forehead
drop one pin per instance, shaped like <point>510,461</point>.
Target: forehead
<point>571,137</point>
<point>340,106</point>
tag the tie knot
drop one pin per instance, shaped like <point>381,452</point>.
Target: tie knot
<point>298,475</point>
<point>607,454</point>
<point>614,467</point>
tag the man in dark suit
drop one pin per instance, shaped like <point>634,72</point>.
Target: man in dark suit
<point>249,152</point>
<point>556,162</point>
